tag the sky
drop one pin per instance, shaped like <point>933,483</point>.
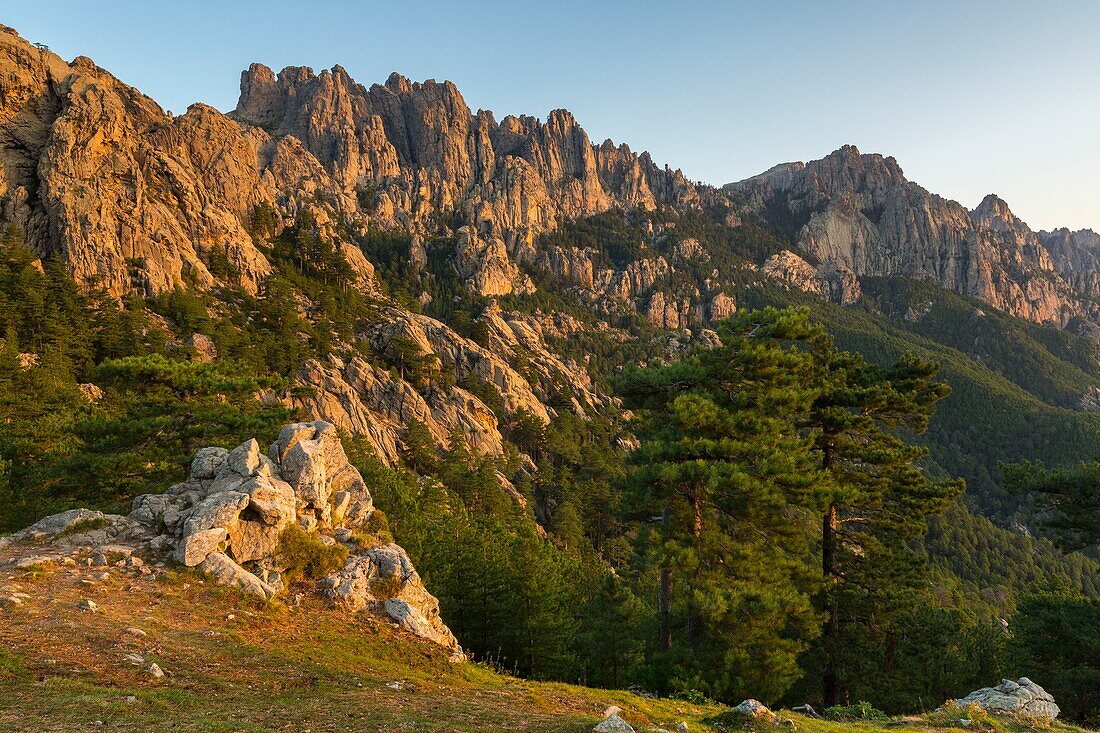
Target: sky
<point>971,97</point>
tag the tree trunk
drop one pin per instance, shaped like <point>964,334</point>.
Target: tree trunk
<point>664,602</point>
<point>664,641</point>
<point>697,506</point>
<point>830,686</point>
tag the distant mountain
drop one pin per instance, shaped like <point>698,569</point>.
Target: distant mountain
<point>860,212</point>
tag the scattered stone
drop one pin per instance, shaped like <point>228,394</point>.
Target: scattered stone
<point>395,685</point>
<point>135,659</point>
<point>90,392</point>
<point>135,631</point>
<point>88,605</point>
<point>1022,697</point>
<point>155,671</point>
<point>30,562</point>
<point>202,347</point>
<point>753,709</point>
<point>807,710</point>
<point>13,600</point>
<point>613,724</point>
<point>682,727</point>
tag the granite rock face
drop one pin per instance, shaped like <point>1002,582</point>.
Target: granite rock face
<point>137,199</point>
<point>859,212</point>
<point>380,404</point>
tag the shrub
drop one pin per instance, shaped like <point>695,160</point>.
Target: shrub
<point>860,711</point>
<point>386,588</point>
<point>953,715</point>
<point>305,556</point>
<point>374,533</point>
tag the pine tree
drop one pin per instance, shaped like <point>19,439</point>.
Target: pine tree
<point>719,469</point>
<point>1066,500</point>
<point>420,451</point>
<point>610,638</point>
<point>159,413</point>
<point>875,497</point>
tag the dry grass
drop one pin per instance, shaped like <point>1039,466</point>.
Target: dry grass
<point>237,664</point>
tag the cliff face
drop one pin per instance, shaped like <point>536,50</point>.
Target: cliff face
<point>138,200</point>
<point>131,198</point>
<point>860,212</point>
<point>414,153</point>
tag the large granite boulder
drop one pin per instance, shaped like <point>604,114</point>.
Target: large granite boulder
<point>1022,697</point>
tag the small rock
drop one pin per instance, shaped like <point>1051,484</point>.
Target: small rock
<point>395,685</point>
<point>135,631</point>
<point>682,727</point>
<point>155,671</point>
<point>88,605</point>
<point>753,709</point>
<point>613,724</point>
<point>13,600</point>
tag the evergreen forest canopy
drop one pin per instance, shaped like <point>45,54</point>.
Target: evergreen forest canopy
<point>792,525</point>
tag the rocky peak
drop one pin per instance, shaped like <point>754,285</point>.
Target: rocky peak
<point>993,213</point>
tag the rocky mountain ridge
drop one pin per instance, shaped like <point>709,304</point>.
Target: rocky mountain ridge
<point>858,211</point>
<point>139,201</point>
<point>135,199</point>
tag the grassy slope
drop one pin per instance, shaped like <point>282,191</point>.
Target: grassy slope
<point>235,664</point>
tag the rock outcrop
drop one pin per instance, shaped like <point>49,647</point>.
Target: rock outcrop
<point>833,280</point>
<point>1022,697</point>
<point>861,213</point>
<point>229,519</point>
<point>380,404</point>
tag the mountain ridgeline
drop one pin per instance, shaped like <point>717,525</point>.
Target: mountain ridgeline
<point>459,296</point>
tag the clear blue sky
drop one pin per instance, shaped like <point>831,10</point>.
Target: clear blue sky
<point>970,96</point>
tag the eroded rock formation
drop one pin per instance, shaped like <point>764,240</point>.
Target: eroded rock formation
<point>229,520</point>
